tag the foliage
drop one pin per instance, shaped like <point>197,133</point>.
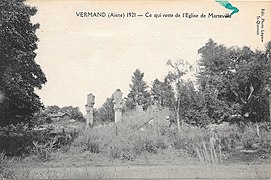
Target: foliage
<point>52,109</point>
<point>251,139</point>
<point>74,112</point>
<point>163,93</point>
<point>19,72</point>
<point>188,137</point>
<point>12,168</point>
<point>105,114</point>
<point>5,172</point>
<point>17,140</point>
<point>123,140</point>
<point>129,140</point>
<point>138,94</point>
<point>179,69</point>
<point>94,140</point>
<point>253,76</point>
<point>265,142</point>
<point>41,117</point>
<point>233,81</point>
<point>209,153</point>
<point>229,136</point>
<point>43,151</point>
<point>204,108</point>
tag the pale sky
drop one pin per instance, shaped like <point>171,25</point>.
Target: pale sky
<point>98,55</point>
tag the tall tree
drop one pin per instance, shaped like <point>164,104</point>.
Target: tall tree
<point>163,93</point>
<point>138,94</point>
<point>105,114</point>
<point>19,73</point>
<point>157,91</point>
<point>214,85</point>
<point>253,75</point>
<point>179,69</point>
<point>237,79</point>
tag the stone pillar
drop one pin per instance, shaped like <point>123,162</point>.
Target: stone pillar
<point>89,110</point>
<point>118,105</point>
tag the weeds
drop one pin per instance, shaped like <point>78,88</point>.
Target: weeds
<point>11,169</point>
<point>5,172</point>
<point>43,151</point>
<point>130,141</point>
<point>209,153</point>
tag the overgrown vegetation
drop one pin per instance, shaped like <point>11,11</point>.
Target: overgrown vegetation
<point>134,139</point>
<point>130,140</point>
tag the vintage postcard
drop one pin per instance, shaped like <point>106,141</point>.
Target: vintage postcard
<point>135,89</point>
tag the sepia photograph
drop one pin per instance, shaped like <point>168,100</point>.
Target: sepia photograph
<point>142,89</point>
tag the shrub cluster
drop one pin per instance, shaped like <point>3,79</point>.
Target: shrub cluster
<point>18,140</point>
<point>129,139</point>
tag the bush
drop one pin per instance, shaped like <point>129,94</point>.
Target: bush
<point>13,168</point>
<point>121,149</point>
<point>5,171</point>
<point>115,150</point>
<point>89,143</point>
<point>17,140</point>
<point>144,143</point>
<point>133,145</point>
<point>265,141</point>
<point>229,136</point>
<point>43,151</point>
<point>188,137</point>
<point>94,140</point>
<point>246,136</point>
<point>256,139</point>
<point>249,137</point>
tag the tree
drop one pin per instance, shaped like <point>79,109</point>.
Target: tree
<point>157,92</point>
<point>19,73</point>
<point>138,94</point>
<point>105,114</point>
<point>41,117</point>
<point>233,81</point>
<point>179,69</point>
<point>74,112</point>
<point>52,109</point>
<point>162,92</point>
<point>214,84</point>
<point>253,75</point>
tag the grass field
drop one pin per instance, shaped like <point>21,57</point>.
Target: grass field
<point>163,164</point>
<point>233,171</point>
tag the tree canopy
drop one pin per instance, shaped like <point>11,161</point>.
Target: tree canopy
<point>74,112</point>
<point>235,80</point>
<point>105,114</point>
<point>232,85</point>
<point>19,73</point>
<point>163,93</point>
<point>138,94</point>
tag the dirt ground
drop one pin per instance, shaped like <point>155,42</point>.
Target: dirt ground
<point>234,171</point>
